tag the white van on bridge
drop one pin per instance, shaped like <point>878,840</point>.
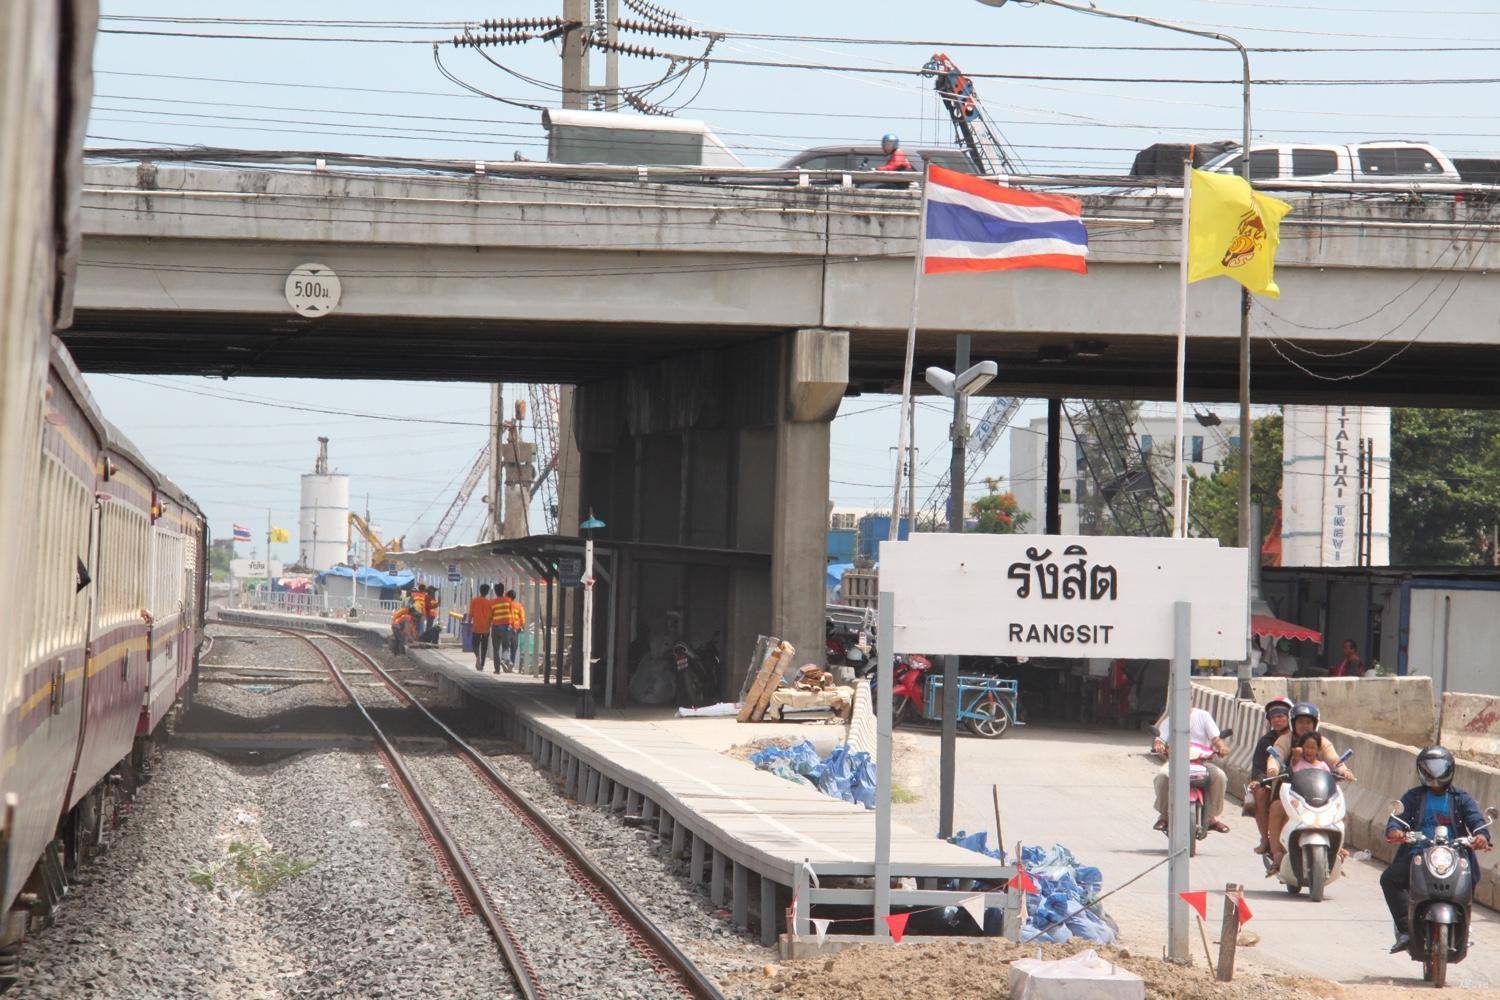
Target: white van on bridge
<point>1385,162</point>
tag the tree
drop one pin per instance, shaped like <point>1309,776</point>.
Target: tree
<point>1445,485</point>
<point>999,513</point>
<point>1215,497</point>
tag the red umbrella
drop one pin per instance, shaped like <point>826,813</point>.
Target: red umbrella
<point>1278,629</point>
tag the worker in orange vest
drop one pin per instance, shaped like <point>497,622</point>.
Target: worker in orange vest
<point>434,600</point>
<point>403,629</point>
<point>500,624</point>
<point>480,611</point>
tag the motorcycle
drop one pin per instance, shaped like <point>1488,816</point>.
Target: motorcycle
<point>908,693</point>
<point>1199,757</point>
<point>846,647</point>
<point>1312,840</point>
<point>697,672</point>
<point>1441,895</point>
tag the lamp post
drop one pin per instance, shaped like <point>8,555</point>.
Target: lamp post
<point>958,388</point>
<point>586,696</point>
<point>1177,871</point>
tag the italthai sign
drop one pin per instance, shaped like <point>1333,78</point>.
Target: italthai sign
<point>1064,595</point>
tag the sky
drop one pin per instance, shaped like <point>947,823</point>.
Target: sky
<point>241,458</point>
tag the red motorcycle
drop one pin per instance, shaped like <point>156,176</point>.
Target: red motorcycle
<point>909,691</point>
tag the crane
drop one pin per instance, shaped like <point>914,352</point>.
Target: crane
<point>544,410</point>
<point>986,147</point>
<point>380,551</point>
<point>992,423</point>
<point>460,500</point>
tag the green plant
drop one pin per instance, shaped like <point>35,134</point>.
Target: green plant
<point>901,796</point>
<point>254,866</point>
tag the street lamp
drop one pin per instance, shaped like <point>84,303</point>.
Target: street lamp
<point>585,708</point>
<point>1177,871</point>
<point>968,381</point>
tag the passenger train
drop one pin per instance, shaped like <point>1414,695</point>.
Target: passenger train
<point>113,640</point>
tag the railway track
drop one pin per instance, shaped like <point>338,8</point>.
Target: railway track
<point>442,791</point>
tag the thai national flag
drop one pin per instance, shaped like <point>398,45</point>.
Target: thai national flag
<point>241,533</point>
<point>974,225</point>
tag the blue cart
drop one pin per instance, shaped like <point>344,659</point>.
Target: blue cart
<point>986,705</point>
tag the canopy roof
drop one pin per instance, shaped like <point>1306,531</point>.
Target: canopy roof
<point>1278,629</point>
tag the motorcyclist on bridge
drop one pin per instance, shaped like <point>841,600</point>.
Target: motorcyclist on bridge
<point>1431,804</point>
<point>890,145</point>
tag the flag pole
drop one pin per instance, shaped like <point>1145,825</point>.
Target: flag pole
<point>919,260</point>
<point>1179,492</point>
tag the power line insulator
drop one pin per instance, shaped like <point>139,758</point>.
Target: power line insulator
<point>520,23</point>
<point>652,12</point>
<point>645,52</point>
<point>646,107</point>
<point>656,28</point>
<point>491,38</point>
<point>560,29</point>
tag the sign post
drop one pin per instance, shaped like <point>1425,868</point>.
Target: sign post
<point>1062,596</point>
<point>1179,822</point>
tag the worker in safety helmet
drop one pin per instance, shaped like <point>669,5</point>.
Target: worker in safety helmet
<point>890,145</point>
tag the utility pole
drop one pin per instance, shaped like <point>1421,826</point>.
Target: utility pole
<point>497,423</point>
<point>612,58</point>
<point>957,480</point>
<point>575,57</point>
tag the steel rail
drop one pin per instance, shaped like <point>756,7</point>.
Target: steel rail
<point>452,858</point>
<point>646,933</point>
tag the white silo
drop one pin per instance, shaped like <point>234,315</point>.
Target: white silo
<point>323,528</point>
<point>1322,501</point>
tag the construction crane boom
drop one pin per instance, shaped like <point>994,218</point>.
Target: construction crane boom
<point>460,500</point>
<point>987,148</point>
<point>380,551</point>
<point>992,423</point>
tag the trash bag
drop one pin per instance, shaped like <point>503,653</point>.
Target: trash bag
<point>654,683</point>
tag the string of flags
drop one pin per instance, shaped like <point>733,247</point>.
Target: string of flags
<point>974,906</point>
<point>1199,902</point>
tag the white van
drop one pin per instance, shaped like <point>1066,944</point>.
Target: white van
<point>1387,162</point>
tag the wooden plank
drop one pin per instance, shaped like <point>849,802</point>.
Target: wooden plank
<point>757,686</point>
<point>784,654</point>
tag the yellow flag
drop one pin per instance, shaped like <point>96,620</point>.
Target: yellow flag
<point>1234,231</point>
<point>280,535</point>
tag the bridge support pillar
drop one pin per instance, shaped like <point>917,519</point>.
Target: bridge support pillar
<point>716,464</point>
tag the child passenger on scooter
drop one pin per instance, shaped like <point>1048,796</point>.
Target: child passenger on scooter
<point>1307,755</point>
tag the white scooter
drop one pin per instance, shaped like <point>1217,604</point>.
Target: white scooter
<point>1312,840</point>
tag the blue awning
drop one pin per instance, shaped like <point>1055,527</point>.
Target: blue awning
<point>368,577</point>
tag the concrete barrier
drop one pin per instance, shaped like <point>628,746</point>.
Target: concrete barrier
<point>1394,708</point>
<point>1471,723</point>
<point>1385,770</point>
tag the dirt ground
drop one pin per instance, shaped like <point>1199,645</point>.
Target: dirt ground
<point>979,970</point>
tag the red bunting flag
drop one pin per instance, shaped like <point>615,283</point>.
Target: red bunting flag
<point>1242,908</point>
<point>897,923</point>
<point>1198,901</point>
<point>1025,882</point>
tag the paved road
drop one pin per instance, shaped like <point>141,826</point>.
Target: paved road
<point>1091,791</point>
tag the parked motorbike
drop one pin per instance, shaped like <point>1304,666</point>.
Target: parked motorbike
<point>1442,893</point>
<point>698,673</point>
<point>848,647</point>
<point>909,691</point>
<point>1312,840</point>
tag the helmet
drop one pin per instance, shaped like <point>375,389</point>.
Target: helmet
<point>890,142</point>
<point>1435,767</point>
<point>1281,705</point>
<point>1304,709</point>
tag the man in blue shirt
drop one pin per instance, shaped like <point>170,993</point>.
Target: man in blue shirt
<point>1433,803</point>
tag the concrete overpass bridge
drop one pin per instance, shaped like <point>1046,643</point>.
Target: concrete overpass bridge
<point>528,277</point>
<point>713,329</point>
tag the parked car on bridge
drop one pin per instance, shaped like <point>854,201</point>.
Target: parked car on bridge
<point>1386,162</point>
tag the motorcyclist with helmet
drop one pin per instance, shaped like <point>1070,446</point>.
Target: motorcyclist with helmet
<point>1304,719</point>
<point>890,145</point>
<point>1431,804</point>
<point>1278,712</point>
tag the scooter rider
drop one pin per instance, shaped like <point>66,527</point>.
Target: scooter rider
<point>1304,719</point>
<point>1202,729</point>
<point>1433,803</point>
<point>1278,712</point>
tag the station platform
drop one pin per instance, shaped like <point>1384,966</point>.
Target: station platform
<point>729,819</point>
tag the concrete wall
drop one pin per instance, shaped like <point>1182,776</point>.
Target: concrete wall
<point>1393,708</point>
<point>1471,722</point>
<point>1385,771</point>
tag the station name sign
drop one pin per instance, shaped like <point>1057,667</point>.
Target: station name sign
<point>1064,595</point>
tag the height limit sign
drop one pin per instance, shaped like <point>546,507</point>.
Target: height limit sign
<point>313,290</point>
